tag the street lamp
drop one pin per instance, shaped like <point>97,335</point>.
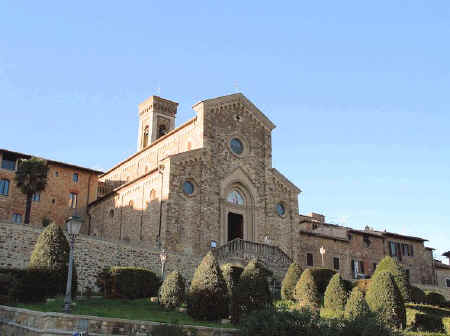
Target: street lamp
<point>322,252</point>
<point>163,258</point>
<point>73,228</point>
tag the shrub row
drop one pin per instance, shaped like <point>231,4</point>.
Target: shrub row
<point>128,282</point>
<point>419,321</point>
<point>269,322</point>
<point>33,284</point>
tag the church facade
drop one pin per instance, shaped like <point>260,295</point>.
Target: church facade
<point>209,184</point>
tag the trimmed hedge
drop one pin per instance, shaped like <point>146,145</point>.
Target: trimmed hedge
<point>268,322</point>
<point>335,294</point>
<point>435,299</point>
<point>417,295</point>
<point>419,321</point>
<point>132,282</point>
<point>384,299</point>
<point>446,324</point>
<point>104,282</point>
<point>356,306</point>
<point>306,292</point>
<point>171,293</point>
<point>51,251</point>
<point>392,266</point>
<point>290,280</point>
<point>208,295</point>
<point>322,277</point>
<point>253,291</point>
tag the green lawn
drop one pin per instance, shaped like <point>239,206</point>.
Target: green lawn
<point>141,309</point>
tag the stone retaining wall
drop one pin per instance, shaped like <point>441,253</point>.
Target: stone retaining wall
<point>24,322</point>
<point>91,254</point>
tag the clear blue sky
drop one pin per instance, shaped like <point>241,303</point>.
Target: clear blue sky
<point>359,91</point>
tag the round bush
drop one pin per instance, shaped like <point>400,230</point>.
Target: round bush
<point>434,299</point>
<point>384,299</point>
<point>171,293</point>
<point>290,280</point>
<point>335,294</point>
<point>306,293</point>
<point>208,295</point>
<point>417,295</point>
<point>253,291</point>
<point>133,282</point>
<point>356,306</point>
<point>388,264</point>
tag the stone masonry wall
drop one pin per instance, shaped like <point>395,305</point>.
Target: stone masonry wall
<point>91,254</point>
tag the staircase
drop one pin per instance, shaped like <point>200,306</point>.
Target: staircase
<point>239,251</point>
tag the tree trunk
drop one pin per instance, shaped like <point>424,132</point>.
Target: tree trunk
<point>28,209</point>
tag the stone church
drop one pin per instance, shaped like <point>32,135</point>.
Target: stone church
<point>209,184</point>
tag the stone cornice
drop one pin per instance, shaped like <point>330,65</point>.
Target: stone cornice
<point>284,180</point>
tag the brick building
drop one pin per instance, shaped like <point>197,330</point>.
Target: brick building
<point>209,183</point>
<point>69,190</point>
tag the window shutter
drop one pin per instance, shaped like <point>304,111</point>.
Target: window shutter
<point>391,249</point>
<point>353,266</point>
<point>399,251</point>
<point>411,250</point>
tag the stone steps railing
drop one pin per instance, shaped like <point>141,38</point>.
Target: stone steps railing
<point>245,249</point>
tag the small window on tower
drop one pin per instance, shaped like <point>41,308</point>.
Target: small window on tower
<point>162,130</point>
<point>146,133</point>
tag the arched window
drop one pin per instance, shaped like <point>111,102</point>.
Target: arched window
<point>235,197</point>
<point>146,132</point>
<point>162,130</point>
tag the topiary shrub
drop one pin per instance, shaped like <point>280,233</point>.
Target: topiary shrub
<point>363,285</point>
<point>290,280</point>
<point>384,299</point>
<point>434,299</point>
<point>52,252</point>
<point>133,282</point>
<point>208,295</point>
<point>446,324</point>
<point>392,266</point>
<point>417,295</point>
<point>31,285</point>
<point>419,321</point>
<point>356,306</point>
<point>322,277</point>
<point>171,293</point>
<point>253,291</point>
<point>306,293</point>
<point>232,275</point>
<point>335,294</point>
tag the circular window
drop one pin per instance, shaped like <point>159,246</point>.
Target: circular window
<point>188,188</point>
<point>280,209</point>
<point>237,146</point>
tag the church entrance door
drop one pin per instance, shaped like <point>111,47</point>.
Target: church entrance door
<point>235,226</point>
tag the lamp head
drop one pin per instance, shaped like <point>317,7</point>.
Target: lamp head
<point>73,225</point>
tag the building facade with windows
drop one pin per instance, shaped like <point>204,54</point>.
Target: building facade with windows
<point>209,184</point>
<point>69,190</point>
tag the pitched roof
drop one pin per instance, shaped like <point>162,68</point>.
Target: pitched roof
<point>59,163</point>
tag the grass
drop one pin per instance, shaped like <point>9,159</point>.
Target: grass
<point>140,309</point>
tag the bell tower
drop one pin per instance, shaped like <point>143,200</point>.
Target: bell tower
<point>156,118</point>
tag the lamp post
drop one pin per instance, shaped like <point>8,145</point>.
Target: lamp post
<point>322,252</point>
<point>163,258</point>
<point>73,228</point>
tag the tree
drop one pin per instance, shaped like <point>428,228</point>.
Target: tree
<point>208,295</point>
<point>384,299</point>
<point>253,291</point>
<point>290,280</point>
<point>356,306</point>
<point>171,293</point>
<point>306,292</point>
<point>335,294</point>
<point>52,252</point>
<point>389,264</point>
<point>31,177</point>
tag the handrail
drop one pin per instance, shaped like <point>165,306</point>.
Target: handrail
<point>240,248</point>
